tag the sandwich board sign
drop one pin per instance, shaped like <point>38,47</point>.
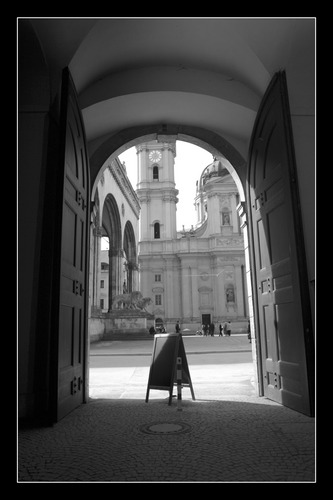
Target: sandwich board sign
<point>163,374</point>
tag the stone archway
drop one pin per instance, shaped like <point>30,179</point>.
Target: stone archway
<point>206,139</point>
<point>111,227</point>
<point>215,144</point>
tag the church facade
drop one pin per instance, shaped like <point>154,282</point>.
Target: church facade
<point>196,275</point>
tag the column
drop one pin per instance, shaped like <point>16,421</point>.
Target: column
<point>214,272</point>
<point>221,310</point>
<point>145,283</point>
<point>239,291</point>
<point>169,210</point>
<point>120,271</point>
<point>234,217</point>
<point>186,290</point>
<point>169,296</point>
<point>179,287</point>
<point>195,294</point>
<point>144,223</point>
<point>221,294</point>
<point>113,275</point>
<point>135,279</point>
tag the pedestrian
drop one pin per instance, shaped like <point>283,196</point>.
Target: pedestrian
<point>212,329</point>
<point>220,330</point>
<point>249,331</point>
<point>225,329</point>
<point>228,328</point>
<point>177,327</point>
<point>205,330</point>
<point>202,329</point>
<point>152,330</point>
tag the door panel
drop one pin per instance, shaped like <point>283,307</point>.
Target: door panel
<point>74,244</point>
<point>278,295</point>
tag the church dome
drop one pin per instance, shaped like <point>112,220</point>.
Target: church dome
<point>213,171</point>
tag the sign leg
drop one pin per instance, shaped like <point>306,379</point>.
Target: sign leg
<point>179,383</point>
<point>192,392</point>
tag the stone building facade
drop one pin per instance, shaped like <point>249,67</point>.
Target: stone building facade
<point>196,275</point>
<point>114,216</point>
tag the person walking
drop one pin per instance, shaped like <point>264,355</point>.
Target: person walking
<point>152,330</point>
<point>225,329</point>
<point>228,328</point>
<point>205,330</point>
<point>212,329</point>
<point>220,330</point>
<point>177,327</point>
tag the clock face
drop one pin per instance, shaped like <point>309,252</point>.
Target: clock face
<point>155,156</point>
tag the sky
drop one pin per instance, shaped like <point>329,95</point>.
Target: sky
<point>189,163</point>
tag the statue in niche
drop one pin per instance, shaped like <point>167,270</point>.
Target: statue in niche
<point>230,294</point>
<point>226,219</point>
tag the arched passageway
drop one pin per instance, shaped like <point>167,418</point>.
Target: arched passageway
<point>114,145</point>
<point>111,148</point>
<point>276,372</point>
<point>130,262</point>
<point>208,88</point>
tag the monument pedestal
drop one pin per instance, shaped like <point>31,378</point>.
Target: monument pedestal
<point>127,324</point>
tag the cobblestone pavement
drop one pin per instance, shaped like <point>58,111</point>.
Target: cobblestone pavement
<point>123,440</point>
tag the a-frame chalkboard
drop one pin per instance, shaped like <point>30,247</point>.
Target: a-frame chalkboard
<point>162,374</point>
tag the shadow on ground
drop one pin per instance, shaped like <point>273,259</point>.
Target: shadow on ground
<point>124,440</point>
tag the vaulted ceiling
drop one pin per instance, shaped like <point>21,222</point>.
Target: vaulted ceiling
<point>208,73</point>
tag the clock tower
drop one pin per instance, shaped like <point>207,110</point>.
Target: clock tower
<point>156,190</point>
<point>192,277</point>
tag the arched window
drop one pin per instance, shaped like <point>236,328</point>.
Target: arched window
<point>157,230</point>
<point>155,173</point>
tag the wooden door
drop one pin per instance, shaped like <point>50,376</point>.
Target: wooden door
<point>73,263</point>
<point>281,303</point>
<point>205,319</point>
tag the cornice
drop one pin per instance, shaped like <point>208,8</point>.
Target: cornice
<point>118,173</point>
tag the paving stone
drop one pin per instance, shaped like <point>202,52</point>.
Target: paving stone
<point>227,441</point>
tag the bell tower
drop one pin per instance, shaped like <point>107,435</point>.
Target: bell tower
<point>156,190</point>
